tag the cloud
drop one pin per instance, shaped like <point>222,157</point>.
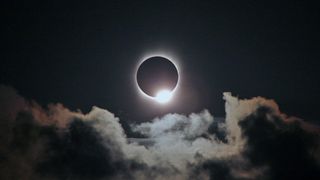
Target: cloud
<point>254,141</point>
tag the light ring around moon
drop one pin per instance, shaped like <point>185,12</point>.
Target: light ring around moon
<point>151,56</point>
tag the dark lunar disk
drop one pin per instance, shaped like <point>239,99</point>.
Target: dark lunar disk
<point>157,73</point>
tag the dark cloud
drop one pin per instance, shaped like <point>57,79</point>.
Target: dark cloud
<point>218,170</point>
<point>285,148</point>
<point>39,151</point>
<point>254,141</point>
<point>79,153</point>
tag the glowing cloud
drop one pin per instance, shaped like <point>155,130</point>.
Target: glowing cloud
<point>249,143</point>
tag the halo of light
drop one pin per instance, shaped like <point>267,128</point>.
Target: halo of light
<point>163,96</point>
<point>164,55</point>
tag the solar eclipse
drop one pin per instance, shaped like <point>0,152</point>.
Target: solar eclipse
<point>157,77</point>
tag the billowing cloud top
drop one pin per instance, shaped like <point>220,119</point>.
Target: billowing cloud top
<point>254,141</point>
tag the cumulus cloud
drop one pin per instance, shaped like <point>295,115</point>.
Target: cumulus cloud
<point>254,141</point>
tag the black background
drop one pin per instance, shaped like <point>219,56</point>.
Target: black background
<point>84,53</point>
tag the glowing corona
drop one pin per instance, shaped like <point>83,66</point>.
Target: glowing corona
<point>163,96</point>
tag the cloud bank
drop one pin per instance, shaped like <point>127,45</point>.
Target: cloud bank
<point>254,141</point>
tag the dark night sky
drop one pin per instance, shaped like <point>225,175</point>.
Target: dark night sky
<point>84,54</point>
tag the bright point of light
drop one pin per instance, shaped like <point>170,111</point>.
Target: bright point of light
<point>163,96</point>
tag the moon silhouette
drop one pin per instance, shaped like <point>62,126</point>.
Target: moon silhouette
<point>157,73</point>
